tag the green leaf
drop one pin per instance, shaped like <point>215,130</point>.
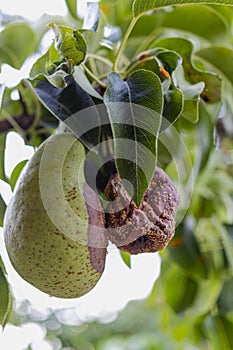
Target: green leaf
<point>72,7</point>
<point>219,332</point>
<point>184,47</point>
<point>220,57</point>
<point>206,297</point>
<point>201,20</point>
<point>226,242</point>
<point>184,249</point>
<point>225,300</point>
<point>5,296</point>
<point>2,210</point>
<point>192,95</point>
<point>17,42</point>
<point>173,106</point>
<point>142,6</point>
<point>16,172</point>
<point>126,257</point>
<point>2,156</point>
<point>69,43</point>
<point>2,90</point>
<point>91,18</point>
<point>135,107</point>
<point>50,66</point>
<point>183,297</point>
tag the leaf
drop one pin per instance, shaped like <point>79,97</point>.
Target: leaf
<point>183,297</point>
<point>192,95</point>
<point>206,297</point>
<point>226,242</point>
<point>72,7</point>
<point>173,106</point>
<point>142,6</point>
<point>211,245</point>
<point>17,42</point>
<point>2,90</point>
<point>184,47</point>
<point>2,156</point>
<point>135,107</point>
<point>219,331</point>
<point>50,66</point>
<point>225,300</point>
<point>84,83</point>
<point>200,20</point>
<point>91,18</point>
<point>5,296</point>
<point>2,210</point>
<point>69,43</point>
<point>184,249</point>
<point>126,257</point>
<point>16,172</point>
<point>220,57</point>
<point>73,106</point>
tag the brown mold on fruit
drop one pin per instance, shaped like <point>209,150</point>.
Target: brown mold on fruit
<point>149,227</point>
<point>97,240</point>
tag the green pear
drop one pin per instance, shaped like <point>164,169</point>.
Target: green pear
<point>54,224</point>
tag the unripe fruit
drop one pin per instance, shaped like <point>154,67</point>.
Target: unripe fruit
<point>54,224</point>
<point>149,227</point>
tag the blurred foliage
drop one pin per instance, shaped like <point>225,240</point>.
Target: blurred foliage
<point>191,305</point>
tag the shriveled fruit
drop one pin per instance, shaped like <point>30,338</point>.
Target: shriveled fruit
<point>54,225</point>
<point>149,227</point>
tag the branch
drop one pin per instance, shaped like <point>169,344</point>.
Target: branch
<point>24,121</point>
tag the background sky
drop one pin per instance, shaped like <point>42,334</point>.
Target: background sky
<point>117,286</point>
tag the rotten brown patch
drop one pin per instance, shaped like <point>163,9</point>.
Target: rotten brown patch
<point>149,227</point>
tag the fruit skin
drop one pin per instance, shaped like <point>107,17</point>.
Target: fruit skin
<point>149,227</point>
<point>55,263</point>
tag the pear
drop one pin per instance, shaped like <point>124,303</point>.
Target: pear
<point>54,224</point>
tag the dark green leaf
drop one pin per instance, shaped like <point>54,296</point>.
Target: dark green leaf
<point>173,106</point>
<point>69,43</point>
<point>17,42</point>
<point>2,89</point>
<point>183,297</point>
<point>135,107</point>
<point>50,66</point>
<point>16,172</point>
<point>2,156</point>
<point>5,296</point>
<point>184,47</point>
<point>142,6</point>
<point>225,300</point>
<point>159,60</point>
<point>2,141</point>
<point>2,210</point>
<point>184,249</point>
<point>91,18</point>
<point>126,257</point>
<point>72,7</point>
<point>74,107</point>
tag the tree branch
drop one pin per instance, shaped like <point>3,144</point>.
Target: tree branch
<point>24,121</point>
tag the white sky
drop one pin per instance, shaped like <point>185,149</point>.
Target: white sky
<point>118,284</point>
<point>33,9</point>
